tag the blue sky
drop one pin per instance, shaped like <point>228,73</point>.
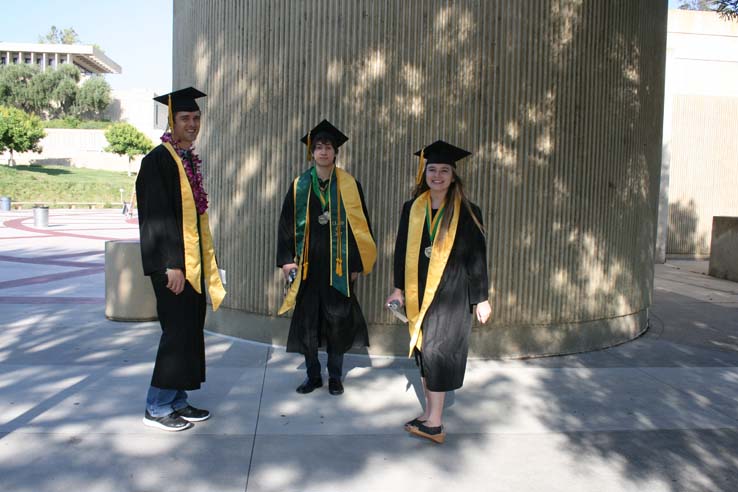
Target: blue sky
<point>136,34</point>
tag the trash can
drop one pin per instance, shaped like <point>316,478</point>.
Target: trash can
<point>4,204</point>
<point>40,216</point>
<point>129,295</point>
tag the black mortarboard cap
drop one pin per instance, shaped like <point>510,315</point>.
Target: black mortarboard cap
<point>324,127</point>
<point>182,100</point>
<point>442,152</point>
<point>438,152</point>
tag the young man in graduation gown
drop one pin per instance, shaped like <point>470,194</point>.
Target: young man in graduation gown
<point>325,240</point>
<point>177,253</point>
<point>441,268</point>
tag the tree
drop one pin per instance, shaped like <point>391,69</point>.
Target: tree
<point>125,139</point>
<point>55,36</point>
<point>63,90</point>
<point>93,97</point>
<point>696,4</point>
<point>27,88</point>
<point>728,9</point>
<point>16,89</point>
<point>19,132</point>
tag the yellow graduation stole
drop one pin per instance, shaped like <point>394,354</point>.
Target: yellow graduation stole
<point>193,263</point>
<point>439,256</point>
<point>349,197</point>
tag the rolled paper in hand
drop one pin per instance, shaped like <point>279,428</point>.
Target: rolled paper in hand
<point>397,311</point>
<point>290,278</point>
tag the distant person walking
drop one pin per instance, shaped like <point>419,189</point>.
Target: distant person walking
<point>177,253</point>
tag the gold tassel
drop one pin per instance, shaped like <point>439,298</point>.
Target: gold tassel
<point>339,253</point>
<point>171,117</point>
<point>306,247</point>
<point>421,168</point>
<point>309,154</point>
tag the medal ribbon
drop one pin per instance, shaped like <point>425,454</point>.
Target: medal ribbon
<point>433,226</point>
<point>325,201</point>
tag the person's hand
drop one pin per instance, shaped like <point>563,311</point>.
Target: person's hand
<point>175,280</point>
<point>395,296</point>
<point>354,276</point>
<point>286,270</point>
<point>483,311</point>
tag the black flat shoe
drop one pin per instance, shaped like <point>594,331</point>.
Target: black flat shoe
<point>435,434</point>
<point>413,423</point>
<point>309,385</point>
<point>335,386</point>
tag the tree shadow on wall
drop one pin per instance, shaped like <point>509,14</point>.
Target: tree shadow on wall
<point>564,207</point>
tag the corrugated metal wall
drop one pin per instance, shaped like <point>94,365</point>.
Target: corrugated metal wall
<point>561,102</point>
<point>703,180</point>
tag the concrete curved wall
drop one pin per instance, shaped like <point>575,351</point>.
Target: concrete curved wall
<point>561,102</point>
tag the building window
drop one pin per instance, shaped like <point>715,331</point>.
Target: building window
<point>3,61</point>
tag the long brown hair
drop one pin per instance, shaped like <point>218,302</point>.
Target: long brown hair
<point>456,188</point>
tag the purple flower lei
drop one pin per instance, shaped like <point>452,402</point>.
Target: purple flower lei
<point>191,163</point>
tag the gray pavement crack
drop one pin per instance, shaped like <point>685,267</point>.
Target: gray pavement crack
<point>258,414</point>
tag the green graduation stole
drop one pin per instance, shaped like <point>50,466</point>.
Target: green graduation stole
<point>342,190</point>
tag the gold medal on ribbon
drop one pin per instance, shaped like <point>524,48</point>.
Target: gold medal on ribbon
<point>432,225</point>
<point>325,197</point>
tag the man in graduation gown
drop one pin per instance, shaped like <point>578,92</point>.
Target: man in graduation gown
<point>325,240</point>
<point>177,254</point>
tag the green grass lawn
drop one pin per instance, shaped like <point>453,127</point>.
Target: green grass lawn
<point>59,185</point>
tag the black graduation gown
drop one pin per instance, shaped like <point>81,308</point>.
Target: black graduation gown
<point>180,360</point>
<point>322,314</point>
<point>447,323</point>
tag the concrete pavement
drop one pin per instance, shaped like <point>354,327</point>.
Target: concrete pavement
<point>656,414</point>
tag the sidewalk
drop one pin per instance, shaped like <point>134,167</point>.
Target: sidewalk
<point>656,414</point>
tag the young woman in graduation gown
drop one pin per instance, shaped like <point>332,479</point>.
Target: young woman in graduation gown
<point>440,272</point>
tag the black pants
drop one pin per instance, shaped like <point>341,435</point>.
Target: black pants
<point>335,365</point>
<point>180,360</point>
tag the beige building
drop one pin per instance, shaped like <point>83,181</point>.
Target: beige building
<point>89,59</point>
<point>700,158</point>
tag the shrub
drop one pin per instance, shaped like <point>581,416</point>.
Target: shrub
<point>125,139</point>
<point>19,131</point>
